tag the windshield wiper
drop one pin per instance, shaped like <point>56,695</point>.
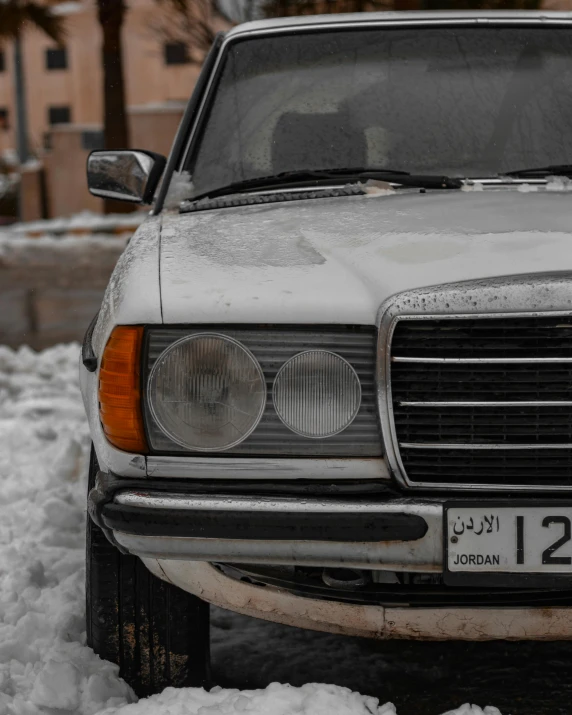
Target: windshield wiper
<point>541,171</point>
<point>313,179</point>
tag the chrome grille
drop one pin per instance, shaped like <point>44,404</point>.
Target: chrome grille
<point>483,400</point>
<point>273,347</point>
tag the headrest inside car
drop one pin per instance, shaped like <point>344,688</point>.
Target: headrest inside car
<point>316,141</point>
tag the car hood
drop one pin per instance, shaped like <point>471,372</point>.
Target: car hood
<point>336,260</point>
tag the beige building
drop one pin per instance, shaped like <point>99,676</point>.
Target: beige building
<point>65,85</point>
<point>162,59</point>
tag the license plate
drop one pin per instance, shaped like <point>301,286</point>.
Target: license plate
<point>508,539</point>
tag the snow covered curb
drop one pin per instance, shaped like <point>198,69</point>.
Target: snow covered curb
<point>19,248</point>
<point>82,224</point>
<point>45,666</point>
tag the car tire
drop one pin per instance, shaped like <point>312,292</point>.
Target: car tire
<point>156,633</point>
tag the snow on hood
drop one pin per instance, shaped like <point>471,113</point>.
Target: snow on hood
<point>336,260</point>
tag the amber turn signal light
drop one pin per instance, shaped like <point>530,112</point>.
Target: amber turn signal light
<point>120,390</point>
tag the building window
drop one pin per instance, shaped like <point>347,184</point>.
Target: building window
<point>59,115</point>
<point>2,61</point>
<point>92,140</point>
<point>4,124</point>
<point>176,53</point>
<point>57,58</point>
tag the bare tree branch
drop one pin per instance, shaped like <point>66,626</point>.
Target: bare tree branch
<point>193,24</point>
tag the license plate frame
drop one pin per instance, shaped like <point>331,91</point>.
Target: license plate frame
<point>502,579</point>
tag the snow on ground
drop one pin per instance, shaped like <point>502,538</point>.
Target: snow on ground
<point>16,247</point>
<point>44,662</point>
<point>45,666</point>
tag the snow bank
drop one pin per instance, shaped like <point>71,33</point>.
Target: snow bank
<point>45,666</point>
<point>276,699</point>
<point>44,662</point>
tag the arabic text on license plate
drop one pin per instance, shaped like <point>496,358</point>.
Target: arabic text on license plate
<point>509,539</point>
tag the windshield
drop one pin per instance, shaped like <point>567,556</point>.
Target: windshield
<point>467,102</point>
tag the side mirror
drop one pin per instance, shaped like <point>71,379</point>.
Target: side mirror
<point>124,175</point>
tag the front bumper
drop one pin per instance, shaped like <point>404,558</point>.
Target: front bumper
<point>396,535</point>
<point>176,533</point>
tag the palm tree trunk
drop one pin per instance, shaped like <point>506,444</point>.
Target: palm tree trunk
<point>116,132</point>
<point>21,110</point>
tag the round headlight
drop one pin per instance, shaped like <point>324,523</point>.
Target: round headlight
<point>207,392</point>
<point>317,394</point>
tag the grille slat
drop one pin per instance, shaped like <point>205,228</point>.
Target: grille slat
<point>523,337</point>
<point>272,347</point>
<point>527,374</point>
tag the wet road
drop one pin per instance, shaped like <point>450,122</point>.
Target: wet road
<point>525,678</point>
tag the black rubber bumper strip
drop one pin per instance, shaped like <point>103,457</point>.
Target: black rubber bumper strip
<point>264,525</point>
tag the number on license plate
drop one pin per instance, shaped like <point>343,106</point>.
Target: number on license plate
<point>509,539</point>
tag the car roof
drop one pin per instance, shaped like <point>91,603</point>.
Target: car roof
<point>301,22</point>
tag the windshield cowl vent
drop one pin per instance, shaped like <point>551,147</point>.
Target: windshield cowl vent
<point>224,202</point>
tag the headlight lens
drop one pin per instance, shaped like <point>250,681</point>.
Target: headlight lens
<point>317,394</point>
<point>207,392</point>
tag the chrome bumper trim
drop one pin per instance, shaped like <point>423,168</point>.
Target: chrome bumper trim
<point>273,469</point>
<point>422,555</point>
<point>168,500</point>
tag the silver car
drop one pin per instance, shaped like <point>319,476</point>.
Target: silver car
<point>330,383</point>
